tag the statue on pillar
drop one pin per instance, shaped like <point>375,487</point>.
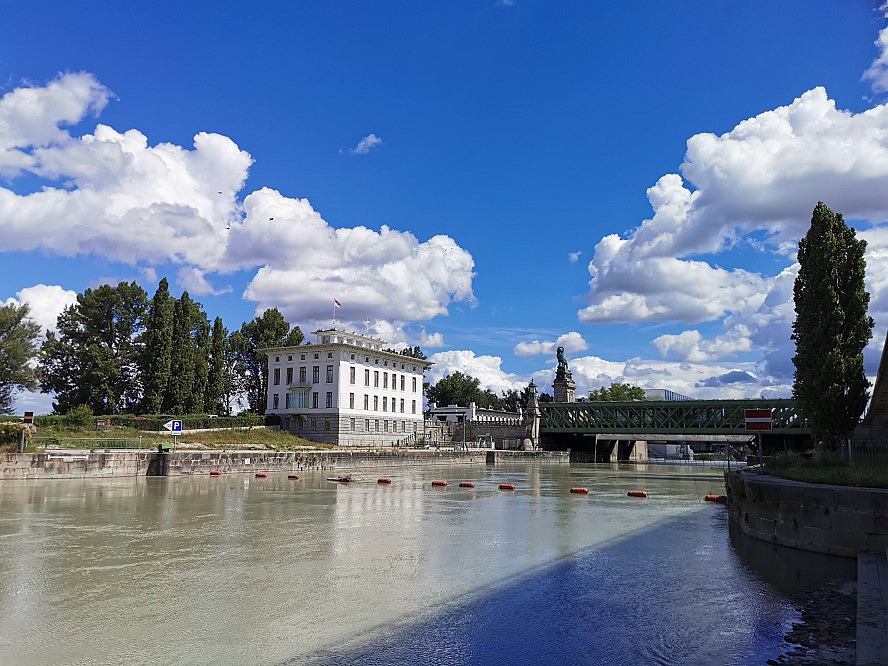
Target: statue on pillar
<point>564,387</point>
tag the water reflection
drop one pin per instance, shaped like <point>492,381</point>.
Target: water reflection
<point>235,570</point>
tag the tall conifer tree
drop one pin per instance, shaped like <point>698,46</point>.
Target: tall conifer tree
<point>213,400</point>
<point>831,327</point>
<point>158,350</point>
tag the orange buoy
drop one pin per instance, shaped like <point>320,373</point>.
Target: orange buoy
<point>466,484</point>
<point>383,479</point>
<point>716,498</point>
<point>507,486</point>
<point>216,472</point>
<point>439,483</point>
<point>637,493</point>
<point>293,476</point>
<point>582,491</point>
<point>261,475</point>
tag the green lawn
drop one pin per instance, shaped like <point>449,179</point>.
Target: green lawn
<point>829,468</point>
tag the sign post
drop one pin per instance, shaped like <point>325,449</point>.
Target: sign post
<point>175,428</point>
<point>758,421</point>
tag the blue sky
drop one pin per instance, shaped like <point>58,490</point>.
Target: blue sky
<point>486,179</point>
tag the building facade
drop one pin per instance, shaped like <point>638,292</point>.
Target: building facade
<point>346,390</point>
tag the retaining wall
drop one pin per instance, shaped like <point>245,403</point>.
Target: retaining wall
<point>835,520</point>
<point>83,464</point>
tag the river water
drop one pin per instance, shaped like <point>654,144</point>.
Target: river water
<point>243,570</point>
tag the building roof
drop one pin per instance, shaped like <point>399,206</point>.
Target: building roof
<point>332,337</point>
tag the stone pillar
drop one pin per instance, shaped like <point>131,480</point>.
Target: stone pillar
<point>564,386</point>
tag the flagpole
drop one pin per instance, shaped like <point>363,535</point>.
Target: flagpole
<point>334,314</point>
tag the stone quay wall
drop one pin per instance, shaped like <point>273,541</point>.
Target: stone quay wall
<point>84,464</point>
<point>835,520</point>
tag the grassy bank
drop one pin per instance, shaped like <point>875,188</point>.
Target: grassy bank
<point>117,437</point>
<point>828,468</point>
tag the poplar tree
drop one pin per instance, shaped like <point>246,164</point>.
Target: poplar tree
<point>831,327</point>
<point>179,395</point>
<point>158,350</point>
<point>213,400</point>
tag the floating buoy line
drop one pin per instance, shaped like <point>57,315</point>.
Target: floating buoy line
<point>637,493</point>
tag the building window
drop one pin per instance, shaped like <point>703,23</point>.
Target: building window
<point>314,400</point>
<point>329,354</point>
<point>413,406</point>
<point>385,425</point>
<point>366,377</point>
<point>376,428</point>
<point>275,400</point>
<point>402,405</point>
<point>329,374</point>
<point>277,376</point>
<point>366,425</point>
<point>289,376</point>
<point>414,384</point>
<point>302,374</point>
<point>376,378</point>
<point>329,400</point>
<point>352,425</point>
<point>385,380</point>
<point>314,424</point>
<point>289,358</point>
<point>385,404</point>
<point>402,382</point>
<point>351,400</point>
<point>316,355</point>
<point>300,399</point>
<point>375,403</point>
<point>366,402</point>
<point>277,359</point>
<point>287,401</point>
<point>327,424</point>
<point>351,375</point>
<point>316,374</point>
<point>302,357</point>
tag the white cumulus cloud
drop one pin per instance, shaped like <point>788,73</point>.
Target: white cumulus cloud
<point>572,342</point>
<point>114,195</point>
<point>45,303</point>
<point>367,144</point>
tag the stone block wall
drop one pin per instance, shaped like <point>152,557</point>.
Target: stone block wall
<point>835,520</point>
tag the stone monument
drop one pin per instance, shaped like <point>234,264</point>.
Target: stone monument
<point>563,386</point>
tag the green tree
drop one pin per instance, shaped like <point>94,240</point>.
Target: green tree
<point>18,348</point>
<point>157,354</point>
<point>266,331</point>
<point>213,401</point>
<point>458,389</point>
<point>617,393</point>
<point>93,358</point>
<point>188,370</point>
<point>831,327</point>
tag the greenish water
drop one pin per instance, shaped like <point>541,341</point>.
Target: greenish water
<point>240,570</point>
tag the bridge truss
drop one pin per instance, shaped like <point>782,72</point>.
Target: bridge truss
<point>675,417</point>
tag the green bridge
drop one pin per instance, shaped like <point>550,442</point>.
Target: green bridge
<point>664,420</point>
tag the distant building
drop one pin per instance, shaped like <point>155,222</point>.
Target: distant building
<point>663,394</point>
<point>346,390</point>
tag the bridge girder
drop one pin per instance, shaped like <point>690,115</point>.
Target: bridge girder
<point>647,419</point>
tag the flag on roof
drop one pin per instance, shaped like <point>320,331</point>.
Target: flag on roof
<point>337,303</point>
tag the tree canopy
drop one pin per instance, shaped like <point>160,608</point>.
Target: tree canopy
<point>617,393</point>
<point>831,327</point>
<point>263,332</point>
<point>18,348</point>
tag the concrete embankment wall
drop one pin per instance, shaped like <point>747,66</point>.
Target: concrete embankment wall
<point>835,520</point>
<point>83,464</point>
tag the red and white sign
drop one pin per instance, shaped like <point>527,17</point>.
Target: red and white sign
<point>29,417</point>
<point>757,419</point>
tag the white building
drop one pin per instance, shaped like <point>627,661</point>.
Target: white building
<point>346,390</point>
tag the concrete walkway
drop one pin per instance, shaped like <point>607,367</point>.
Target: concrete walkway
<point>872,609</point>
